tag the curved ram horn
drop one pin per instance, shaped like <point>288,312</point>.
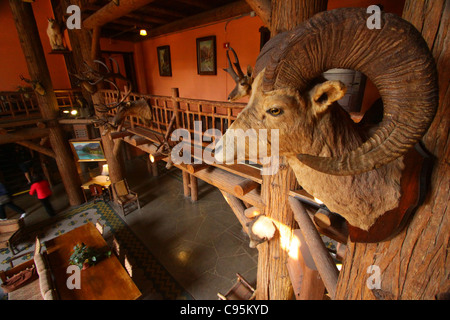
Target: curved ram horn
<point>397,60</point>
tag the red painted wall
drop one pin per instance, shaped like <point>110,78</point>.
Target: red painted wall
<point>243,36</point>
<point>12,60</point>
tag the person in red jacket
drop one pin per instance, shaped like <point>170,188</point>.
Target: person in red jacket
<point>41,187</point>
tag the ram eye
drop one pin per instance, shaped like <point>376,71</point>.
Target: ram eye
<point>275,111</point>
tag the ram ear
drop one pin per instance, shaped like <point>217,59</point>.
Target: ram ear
<point>324,94</point>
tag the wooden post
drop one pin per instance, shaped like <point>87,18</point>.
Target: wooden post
<point>38,70</point>
<point>84,49</point>
<point>415,263</point>
<point>287,14</point>
<point>186,183</point>
<point>319,252</point>
<point>273,278</point>
<point>273,281</point>
<point>305,278</point>
<point>176,107</point>
<point>194,187</point>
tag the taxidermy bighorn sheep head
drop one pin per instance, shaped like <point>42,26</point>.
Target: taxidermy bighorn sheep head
<point>355,172</point>
<point>243,81</point>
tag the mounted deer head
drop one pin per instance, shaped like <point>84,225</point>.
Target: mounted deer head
<point>243,81</point>
<point>35,84</point>
<point>355,173</point>
<point>138,108</point>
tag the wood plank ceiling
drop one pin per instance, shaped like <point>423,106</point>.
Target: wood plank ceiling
<point>161,17</point>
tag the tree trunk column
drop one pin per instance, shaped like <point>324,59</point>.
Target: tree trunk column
<point>86,50</point>
<point>273,280</point>
<point>415,264</point>
<point>38,69</point>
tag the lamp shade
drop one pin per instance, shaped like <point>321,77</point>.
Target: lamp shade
<point>105,170</point>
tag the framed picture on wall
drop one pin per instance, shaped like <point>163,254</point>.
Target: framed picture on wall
<point>88,150</point>
<point>165,65</point>
<point>206,56</point>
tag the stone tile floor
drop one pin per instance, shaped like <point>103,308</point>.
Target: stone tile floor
<point>200,243</point>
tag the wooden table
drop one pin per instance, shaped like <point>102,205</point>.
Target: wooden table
<point>107,280</point>
<point>100,180</point>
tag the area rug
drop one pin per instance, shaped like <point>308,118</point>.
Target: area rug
<point>152,279</point>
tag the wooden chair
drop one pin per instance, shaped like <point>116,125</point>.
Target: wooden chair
<point>97,192</point>
<point>115,246</point>
<point>241,290</point>
<point>10,232</point>
<point>100,227</point>
<point>128,265</point>
<point>124,197</point>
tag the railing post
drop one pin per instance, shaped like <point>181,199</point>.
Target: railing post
<point>176,106</point>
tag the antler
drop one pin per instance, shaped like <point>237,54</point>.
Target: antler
<point>243,82</point>
<point>99,122</point>
<point>104,108</point>
<point>91,77</point>
<point>236,76</point>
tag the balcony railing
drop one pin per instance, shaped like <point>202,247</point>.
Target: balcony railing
<point>212,114</point>
<point>16,105</point>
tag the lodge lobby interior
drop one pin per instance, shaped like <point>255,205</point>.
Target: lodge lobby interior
<point>95,114</point>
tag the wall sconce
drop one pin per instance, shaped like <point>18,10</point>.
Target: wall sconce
<point>143,32</point>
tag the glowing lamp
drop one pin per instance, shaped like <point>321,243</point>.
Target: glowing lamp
<point>105,170</point>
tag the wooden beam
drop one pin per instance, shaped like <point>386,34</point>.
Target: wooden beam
<point>324,263</point>
<point>263,9</point>
<point>304,276</point>
<point>238,208</point>
<point>111,12</point>
<point>252,212</point>
<point>193,168</point>
<point>228,11</point>
<point>245,187</point>
<point>121,134</point>
<point>38,148</point>
<point>137,140</point>
<point>226,181</point>
<point>24,134</point>
<point>21,122</point>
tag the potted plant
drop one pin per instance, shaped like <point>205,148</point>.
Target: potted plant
<point>84,256</point>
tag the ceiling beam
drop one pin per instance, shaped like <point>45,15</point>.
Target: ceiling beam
<point>111,12</point>
<point>263,9</point>
<point>225,12</point>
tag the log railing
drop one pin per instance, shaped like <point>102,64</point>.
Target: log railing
<point>67,97</point>
<point>15,104</point>
<point>18,104</point>
<point>212,114</point>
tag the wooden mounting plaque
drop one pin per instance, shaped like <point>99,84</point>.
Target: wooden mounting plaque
<point>418,165</point>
